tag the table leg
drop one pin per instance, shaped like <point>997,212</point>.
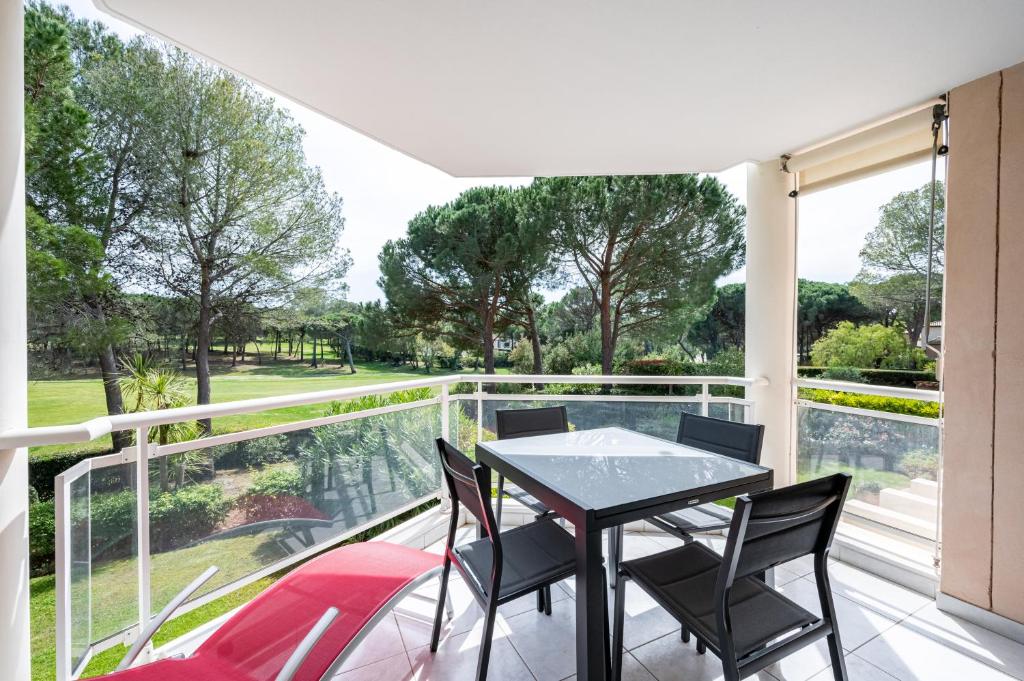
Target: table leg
<point>591,601</point>
<point>479,526</point>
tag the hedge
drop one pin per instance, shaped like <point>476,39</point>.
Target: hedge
<point>892,377</point>
<point>893,405</point>
<point>43,469</point>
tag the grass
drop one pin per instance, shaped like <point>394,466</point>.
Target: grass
<point>62,401</point>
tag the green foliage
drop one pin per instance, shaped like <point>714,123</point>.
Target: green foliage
<point>820,306</point>
<point>521,358</point>
<point>871,346</point>
<point>723,325</point>
<point>263,451</point>
<point>185,515</point>
<point>277,482</point>
<point>41,529</point>
<point>895,405</point>
<point>840,373</point>
<point>647,247</point>
<point>920,464</point>
<point>466,268</point>
<point>902,378</point>
<point>573,351</point>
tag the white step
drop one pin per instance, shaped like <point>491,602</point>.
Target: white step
<point>904,501</point>
<point>890,518</point>
<point>925,488</point>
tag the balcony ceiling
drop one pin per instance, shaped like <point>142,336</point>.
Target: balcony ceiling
<point>536,87</point>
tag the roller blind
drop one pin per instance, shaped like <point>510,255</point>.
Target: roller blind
<point>893,144</point>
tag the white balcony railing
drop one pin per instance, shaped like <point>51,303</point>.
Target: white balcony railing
<point>132,530</point>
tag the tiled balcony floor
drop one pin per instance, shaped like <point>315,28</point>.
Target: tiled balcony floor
<point>888,632</point>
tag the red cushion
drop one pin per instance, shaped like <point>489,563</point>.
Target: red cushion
<point>358,579</point>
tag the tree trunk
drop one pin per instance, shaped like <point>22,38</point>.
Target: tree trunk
<point>348,353</point>
<point>202,355</point>
<point>314,364</point>
<point>112,393</point>
<point>302,346</point>
<point>488,343</point>
<point>531,323</point>
<point>607,338</point>
<point>289,343</point>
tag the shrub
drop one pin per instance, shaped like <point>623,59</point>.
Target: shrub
<point>521,358</point>
<point>870,346</point>
<point>920,464</point>
<point>901,378</point>
<point>278,482</point>
<point>577,388</point>
<point>262,451</point>
<point>276,494</point>
<point>41,529</point>
<point>851,374</point>
<point>185,515</point>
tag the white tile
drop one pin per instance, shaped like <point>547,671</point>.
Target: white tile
<point>383,642</point>
<point>858,624</point>
<point>857,669</point>
<point>456,659</point>
<point>876,593</point>
<point>631,670</point>
<point>969,639</point>
<point>644,621</point>
<point>668,658</point>
<point>395,668</point>
<point>803,664</point>
<point>546,644</point>
<point>909,655</point>
<point>416,617</point>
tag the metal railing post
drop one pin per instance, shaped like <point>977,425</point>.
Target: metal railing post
<point>704,399</point>
<point>63,575</point>
<point>142,519</point>
<point>479,411</point>
<point>446,435</point>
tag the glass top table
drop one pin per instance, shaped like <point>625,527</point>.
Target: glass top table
<point>610,471</point>
<point>604,478</point>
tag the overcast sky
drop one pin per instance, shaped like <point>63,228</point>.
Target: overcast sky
<point>382,189</point>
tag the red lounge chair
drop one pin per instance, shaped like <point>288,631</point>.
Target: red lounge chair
<point>304,626</point>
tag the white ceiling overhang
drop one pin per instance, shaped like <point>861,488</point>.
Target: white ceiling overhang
<point>542,87</point>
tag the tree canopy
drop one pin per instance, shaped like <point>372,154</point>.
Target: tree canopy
<point>644,246</point>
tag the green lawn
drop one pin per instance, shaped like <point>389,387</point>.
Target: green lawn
<point>63,401</point>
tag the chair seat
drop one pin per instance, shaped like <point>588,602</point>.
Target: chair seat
<point>526,499</point>
<point>682,581</point>
<point>698,518</point>
<point>534,555</point>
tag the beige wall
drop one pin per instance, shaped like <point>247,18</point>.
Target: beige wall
<point>983,370</point>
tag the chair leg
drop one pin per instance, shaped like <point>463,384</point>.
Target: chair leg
<point>498,502</point>
<point>701,647</point>
<point>835,652</point>
<point>442,600</point>
<point>615,541</point>
<point>547,600</point>
<point>618,617</point>
<point>485,644</point>
<point>684,634</point>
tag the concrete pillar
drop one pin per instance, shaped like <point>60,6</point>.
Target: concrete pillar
<point>771,311</point>
<point>14,630</point>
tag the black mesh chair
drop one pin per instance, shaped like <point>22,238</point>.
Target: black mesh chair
<point>736,440</point>
<point>502,566</point>
<point>514,423</point>
<point>746,623</point>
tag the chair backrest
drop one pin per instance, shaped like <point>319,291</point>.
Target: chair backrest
<point>773,527</point>
<point>467,484</point>
<point>513,423</point>
<point>736,440</point>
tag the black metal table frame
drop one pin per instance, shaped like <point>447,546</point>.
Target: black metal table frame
<point>588,524</point>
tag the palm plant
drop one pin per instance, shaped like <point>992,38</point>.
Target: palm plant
<point>148,387</point>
